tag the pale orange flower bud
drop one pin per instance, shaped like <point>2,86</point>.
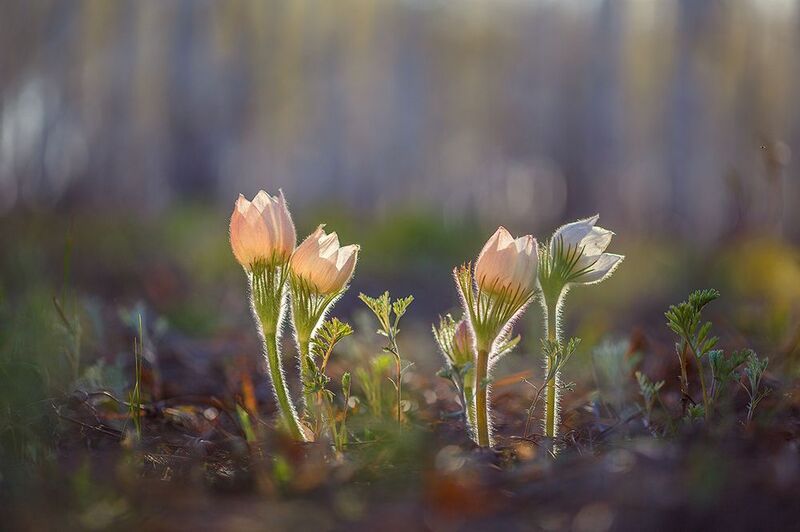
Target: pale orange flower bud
<point>506,263</point>
<point>322,263</point>
<point>462,343</point>
<point>262,229</point>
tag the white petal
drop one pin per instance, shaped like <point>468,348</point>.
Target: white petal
<point>262,200</point>
<point>504,238</point>
<point>242,204</point>
<point>346,265</point>
<point>526,264</point>
<point>329,245</point>
<point>345,254</point>
<point>602,268</point>
<point>596,241</point>
<point>288,231</point>
<point>573,233</point>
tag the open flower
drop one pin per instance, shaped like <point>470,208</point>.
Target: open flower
<point>576,255</point>
<point>507,264</point>
<point>579,247</point>
<point>323,264</point>
<point>262,229</point>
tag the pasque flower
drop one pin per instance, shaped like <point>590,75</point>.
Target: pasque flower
<point>455,342</point>
<point>320,272</point>
<point>262,239</point>
<point>322,263</point>
<point>575,255</point>
<point>579,249</point>
<point>262,229</point>
<point>494,294</point>
<point>506,263</point>
<point>462,343</point>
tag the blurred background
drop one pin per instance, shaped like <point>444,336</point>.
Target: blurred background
<point>672,117</point>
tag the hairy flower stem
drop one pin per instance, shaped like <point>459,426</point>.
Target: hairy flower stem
<point>481,397</point>
<point>305,377</point>
<point>267,290</point>
<point>551,395</point>
<point>312,398</point>
<point>469,400</point>
<point>285,405</point>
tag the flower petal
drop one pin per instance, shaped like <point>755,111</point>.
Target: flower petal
<point>288,231</point>
<point>322,263</point>
<point>506,262</point>
<point>596,241</point>
<point>573,233</point>
<point>602,268</point>
<point>261,228</point>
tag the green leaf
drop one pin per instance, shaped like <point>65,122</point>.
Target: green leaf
<point>700,298</point>
<point>401,305</point>
<point>508,346</point>
<point>379,306</point>
<point>330,333</point>
<point>701,335</point>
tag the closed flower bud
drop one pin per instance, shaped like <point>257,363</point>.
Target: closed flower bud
<point>507,264</point>
<point>323,264</point>
<point>462,343</point>
<point>262,229</point>
<point>582,245</point>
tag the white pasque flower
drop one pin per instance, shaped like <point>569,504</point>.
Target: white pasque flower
<point>579,248</point>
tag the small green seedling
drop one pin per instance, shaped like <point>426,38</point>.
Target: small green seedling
<point>693,339</point>
<point>319,399</point>
<point>650,393</point>
<point>389,313</point>
<point>754,371</point>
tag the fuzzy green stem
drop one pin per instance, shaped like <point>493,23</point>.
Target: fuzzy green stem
<point>481,397</point>
<point>302,345</point>
<point>469,400</point>
<point>312,399</point>
<point>302,348</point>
<point>550,397</point>
<point>285,406</point>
